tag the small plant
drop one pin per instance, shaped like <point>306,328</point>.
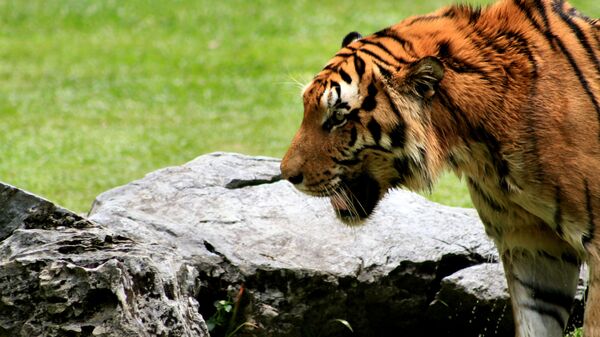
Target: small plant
<point>221,316</point>
<point>575,333</point>
<point>225,317</point>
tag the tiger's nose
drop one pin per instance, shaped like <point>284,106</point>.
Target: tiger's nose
<point>291,171</point>
<point>296,179</point>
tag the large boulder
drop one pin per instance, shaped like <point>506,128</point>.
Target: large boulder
<point>232,219</point>
<point>154,256</point>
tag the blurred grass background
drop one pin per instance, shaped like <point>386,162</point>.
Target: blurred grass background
<point>95,94</point>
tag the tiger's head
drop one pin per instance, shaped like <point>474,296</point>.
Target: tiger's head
<point>366,128</point>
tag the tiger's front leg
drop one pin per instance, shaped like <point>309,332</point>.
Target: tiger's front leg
<point>591,326</point>
<point>542,272</point>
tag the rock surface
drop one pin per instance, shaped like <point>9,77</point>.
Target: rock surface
<point>231,218</point>
<point>62,275</point>
<point>156,254</point>
<point>473,302</point>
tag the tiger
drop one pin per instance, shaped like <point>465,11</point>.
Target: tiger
<point>506,96</point>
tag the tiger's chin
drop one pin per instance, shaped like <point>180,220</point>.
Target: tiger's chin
<point>355,199</point>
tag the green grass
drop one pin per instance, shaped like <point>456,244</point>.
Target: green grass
<point>94,94</point>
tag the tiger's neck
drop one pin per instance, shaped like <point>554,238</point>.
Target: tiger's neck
<point>489,73</point>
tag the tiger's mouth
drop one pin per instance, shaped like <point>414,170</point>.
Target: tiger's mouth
<point>355,199</point>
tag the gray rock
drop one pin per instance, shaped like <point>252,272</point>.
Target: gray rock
<point>62,275</point>
<point>156,254</point>
<point>230,217</point>
<point>474,302</point>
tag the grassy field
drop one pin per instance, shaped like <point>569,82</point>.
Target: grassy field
<point>94,94</point>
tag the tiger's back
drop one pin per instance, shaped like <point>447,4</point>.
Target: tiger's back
<point>509,98</point>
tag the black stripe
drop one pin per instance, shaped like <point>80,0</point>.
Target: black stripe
<point>346,162</point>
<point>342,105</point>
<point>398,134</point>
<point>529,15</point>
<point>380,46</point>
<point>385,73</point>
<point>384,69</point>
<point>336,86</point>
<point>557,6</point>
<point>518,41</point>
<point>554,40</point>
<point>375,130</point>
<point>377,57</point>
<point>369,103</point>
<point>372,89</point>
<point>574,12</point>
<point>422,165</point>
<point>359,66</point>
<point>458,66</point>
<point>542,11</point>
<point>353,115</point>
<point>345,76</point>
<point>480,134</point>
<point>550,296</point>
<point>487,51</point>
<point>353,136</point>
<point>355,156</point>
<point>450,12</point>
<point>553,313</point>
<point>547,255</point>
<point>587,237</point>
<point>343,54</point>
<point>490,229</point>
<point>538,172</point>
<point>406,45</point>
<point>453,161</point>
<point>474,14</point>
<point>423,157</point>
<point>464,10</point>
<point>558,211</point>
<point>485,197</point>
<point>375,148</point>
<point>403,169</point>
<point>580,77</point>
<point>457,115</point>
<point>565,257</point>
<point>393,106</point>
<point>330,66</point>
<point>491,44</point>
<point>532,152</point>
<point>424,18</point>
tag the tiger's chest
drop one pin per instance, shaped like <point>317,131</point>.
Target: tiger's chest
<point>507,200</point>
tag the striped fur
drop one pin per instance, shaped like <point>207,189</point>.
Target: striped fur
<point>507,97</point>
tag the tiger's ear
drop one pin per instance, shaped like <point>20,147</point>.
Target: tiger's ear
<point>351,37</point>
<point>424,75</point>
